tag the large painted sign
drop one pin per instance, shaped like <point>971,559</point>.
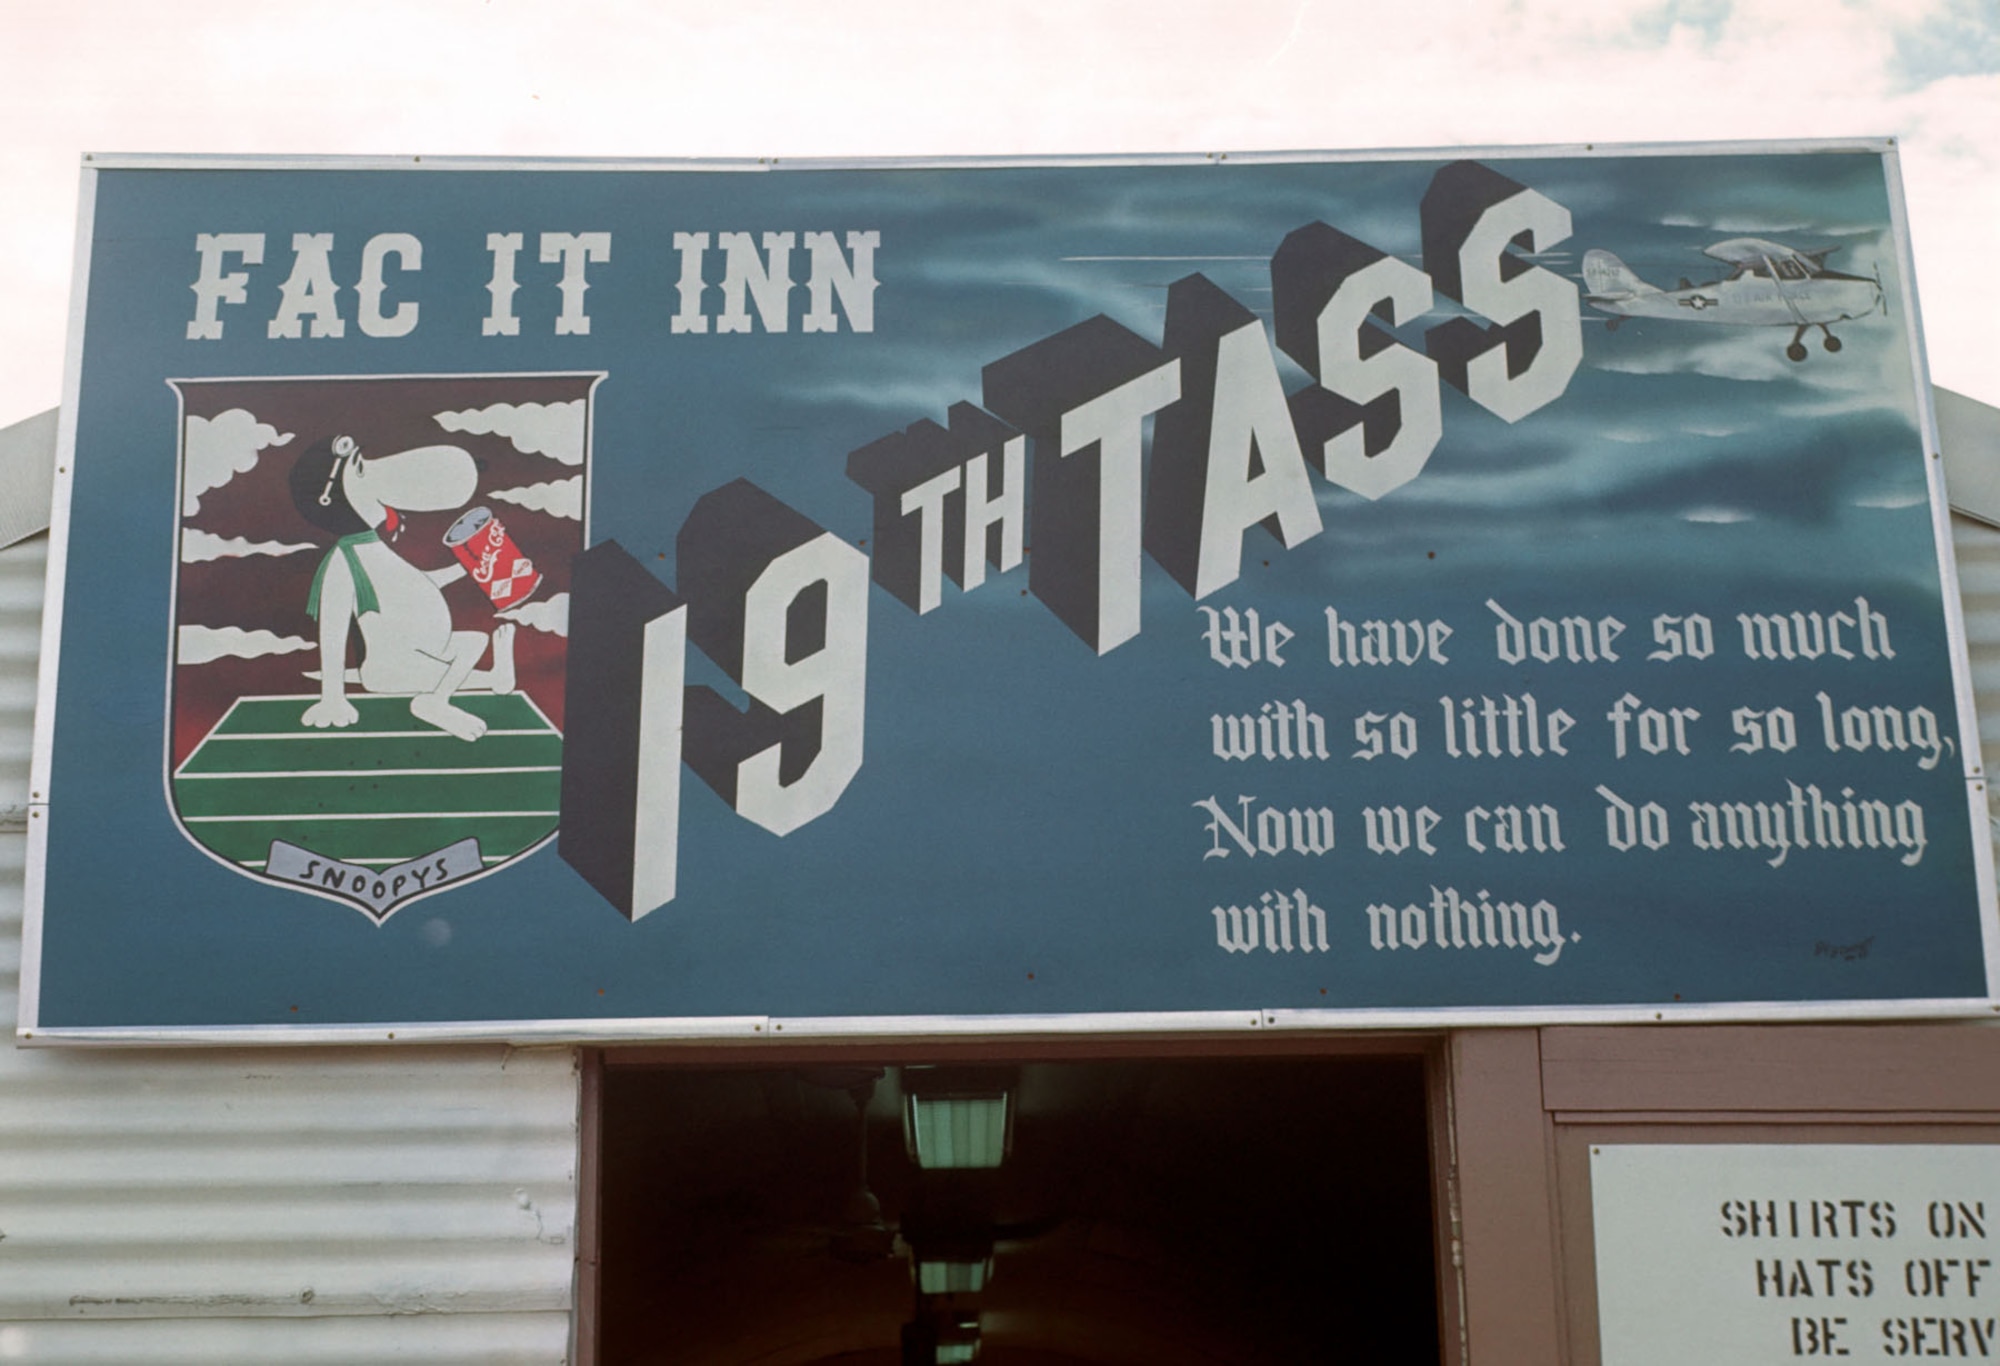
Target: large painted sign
<point>651,600</point>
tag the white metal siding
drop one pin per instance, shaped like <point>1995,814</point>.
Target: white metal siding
<point>1977,549</point>
<point>337,1206</point>
<point>27,476</point>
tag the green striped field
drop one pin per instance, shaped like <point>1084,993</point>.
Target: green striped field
<point>387,789</point>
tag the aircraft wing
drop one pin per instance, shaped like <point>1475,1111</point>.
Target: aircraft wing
<point>1752,253</point>
<point>1747,251</point>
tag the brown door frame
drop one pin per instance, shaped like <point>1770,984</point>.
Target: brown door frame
<point>1509,1212</point>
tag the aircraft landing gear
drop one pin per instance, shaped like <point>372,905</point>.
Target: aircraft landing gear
<point>1797,350</point>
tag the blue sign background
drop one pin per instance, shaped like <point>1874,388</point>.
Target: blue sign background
<point>1022,837</point>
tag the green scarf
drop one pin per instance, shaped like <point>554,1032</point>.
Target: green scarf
<point>365,600</point>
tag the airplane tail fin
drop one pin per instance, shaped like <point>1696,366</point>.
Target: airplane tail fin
<point>1609,278</point>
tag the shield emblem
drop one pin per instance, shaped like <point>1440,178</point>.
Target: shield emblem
<point>371,615</point>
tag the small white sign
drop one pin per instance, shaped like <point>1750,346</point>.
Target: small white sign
<point>1740,1255</point>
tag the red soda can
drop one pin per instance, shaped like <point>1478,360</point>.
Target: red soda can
<point>489,555</point>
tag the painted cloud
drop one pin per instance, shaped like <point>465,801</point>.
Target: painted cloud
<point>551,429</point>
<point>551,616</point>
<point>200,644</point>
<point>558,498</point>
<point>221,447</point>
<point>198,547</point>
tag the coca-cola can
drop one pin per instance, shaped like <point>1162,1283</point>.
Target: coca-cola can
<point>496,564</point>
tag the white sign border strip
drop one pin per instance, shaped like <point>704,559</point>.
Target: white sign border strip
<point>756,1029</point>
<point>1487,152</point>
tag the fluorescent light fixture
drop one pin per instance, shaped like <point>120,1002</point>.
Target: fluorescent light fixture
<point>958,1340</point>
<point>953,1276</point>
<point>957,1117</point>
<point>943,1340</point>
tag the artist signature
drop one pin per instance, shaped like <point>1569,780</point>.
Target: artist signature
<point>1846,953</point>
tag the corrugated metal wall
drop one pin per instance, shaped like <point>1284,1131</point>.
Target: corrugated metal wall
<point>346,1207</point>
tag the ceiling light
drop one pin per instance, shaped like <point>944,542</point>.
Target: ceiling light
<point>957,1117</point>
<point>941,1340</point>
<point>958,1340</point>
<point>953,1276</point>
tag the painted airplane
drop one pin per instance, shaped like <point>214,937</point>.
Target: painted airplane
<point>1769,285</point>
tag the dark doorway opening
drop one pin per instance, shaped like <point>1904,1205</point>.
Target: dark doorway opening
<point>1159,1212</point>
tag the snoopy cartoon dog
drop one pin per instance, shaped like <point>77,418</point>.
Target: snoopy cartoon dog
<point>408,645</point>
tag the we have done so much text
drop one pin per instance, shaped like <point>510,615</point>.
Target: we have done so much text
<point>1634,729</point>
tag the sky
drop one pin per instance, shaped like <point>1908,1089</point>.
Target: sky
<point>781,78</point>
